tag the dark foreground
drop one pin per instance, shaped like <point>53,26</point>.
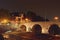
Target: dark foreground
<point>30,36</point>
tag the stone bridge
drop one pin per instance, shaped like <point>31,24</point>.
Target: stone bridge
<point>45,25</point>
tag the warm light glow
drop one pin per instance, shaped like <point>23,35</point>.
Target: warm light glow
<point>43,30</point>
<point>26,19</point>
<point>4,21</point>
<point>6,36</point>
<point>56,18</point>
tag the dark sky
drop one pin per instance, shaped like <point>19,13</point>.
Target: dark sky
<point>48,8</point>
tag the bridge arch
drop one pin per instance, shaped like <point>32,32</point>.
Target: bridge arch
<point>37,28</point>
<point>45,25</point>
<point>53,29</point>
<point>23,28</point>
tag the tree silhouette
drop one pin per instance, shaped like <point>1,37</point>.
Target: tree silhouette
<point>4,13</point>
<point>33,17</point>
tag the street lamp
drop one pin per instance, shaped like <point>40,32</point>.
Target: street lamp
<point>56,18</point>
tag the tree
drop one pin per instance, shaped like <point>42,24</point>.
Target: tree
<point>33,17</point>
<point>4,14</point>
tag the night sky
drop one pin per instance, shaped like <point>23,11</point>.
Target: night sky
<point>48,8</point>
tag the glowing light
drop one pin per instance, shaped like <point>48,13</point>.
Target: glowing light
<point>43,30</point>
<point>56,18</point>
<point>26,19</point>
<point>4,21</point>
<point>6,36</point>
